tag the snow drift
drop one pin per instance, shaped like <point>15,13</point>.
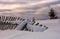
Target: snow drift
<point>53,32</point>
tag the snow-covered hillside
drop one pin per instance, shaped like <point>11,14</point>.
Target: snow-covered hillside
<point>53,32</point>
<point>53,25</point>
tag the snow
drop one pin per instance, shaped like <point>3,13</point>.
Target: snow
<point>53,32</point>
<point>19,27</point>
<point>35,28</point>
<point>13,34</point>
<point>30,27</point>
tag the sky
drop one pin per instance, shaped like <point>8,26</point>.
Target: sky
<point>29,8</point>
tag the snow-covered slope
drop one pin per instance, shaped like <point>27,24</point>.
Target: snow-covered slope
<point>13,34</point>
<point>53,32</point>
<point>53,25</point>
<point>19,27</point>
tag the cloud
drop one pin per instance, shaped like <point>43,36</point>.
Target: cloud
<point>21,3</point>
<point>3,6</point>
<point>28,8</point>
<point>7,0</point>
